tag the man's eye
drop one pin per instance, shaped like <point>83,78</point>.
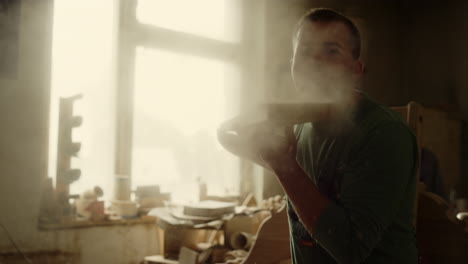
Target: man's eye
<point>333,51</point>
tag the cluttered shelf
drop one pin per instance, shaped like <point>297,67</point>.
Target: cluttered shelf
<point>73,224</point>
<point>61,211</point>
<point>211,231</point>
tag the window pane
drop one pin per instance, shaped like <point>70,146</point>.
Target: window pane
<point>180,100</point>
<point>216,19</point>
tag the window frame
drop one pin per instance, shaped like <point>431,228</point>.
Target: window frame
<point>133,34</point>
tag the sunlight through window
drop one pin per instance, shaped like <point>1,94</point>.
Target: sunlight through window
<point>179,102</point>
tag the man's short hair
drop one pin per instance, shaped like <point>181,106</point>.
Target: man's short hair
<point>329,15</point>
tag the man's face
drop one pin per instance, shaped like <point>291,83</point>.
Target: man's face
<point>323,67</point>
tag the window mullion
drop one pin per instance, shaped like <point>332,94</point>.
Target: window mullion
<point>154,37</point>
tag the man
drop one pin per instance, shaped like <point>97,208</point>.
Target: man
<point>350,180</point>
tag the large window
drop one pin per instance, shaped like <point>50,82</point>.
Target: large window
<point>179,71</point>
<point>182,93</point>
<point>179,102</point>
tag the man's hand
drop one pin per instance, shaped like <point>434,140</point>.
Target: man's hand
<point>270,146</point>
<point>277,148</point>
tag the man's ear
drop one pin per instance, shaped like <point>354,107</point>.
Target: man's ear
<point>358,68</point>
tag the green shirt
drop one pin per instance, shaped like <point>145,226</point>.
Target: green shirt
<point>368,169</point>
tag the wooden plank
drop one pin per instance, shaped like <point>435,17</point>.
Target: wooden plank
<point>272,243</point>
<point>209,208</point>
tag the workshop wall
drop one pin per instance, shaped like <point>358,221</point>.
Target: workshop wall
<point>436,60</point>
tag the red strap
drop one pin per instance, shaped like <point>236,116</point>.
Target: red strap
<point>306,243</point>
